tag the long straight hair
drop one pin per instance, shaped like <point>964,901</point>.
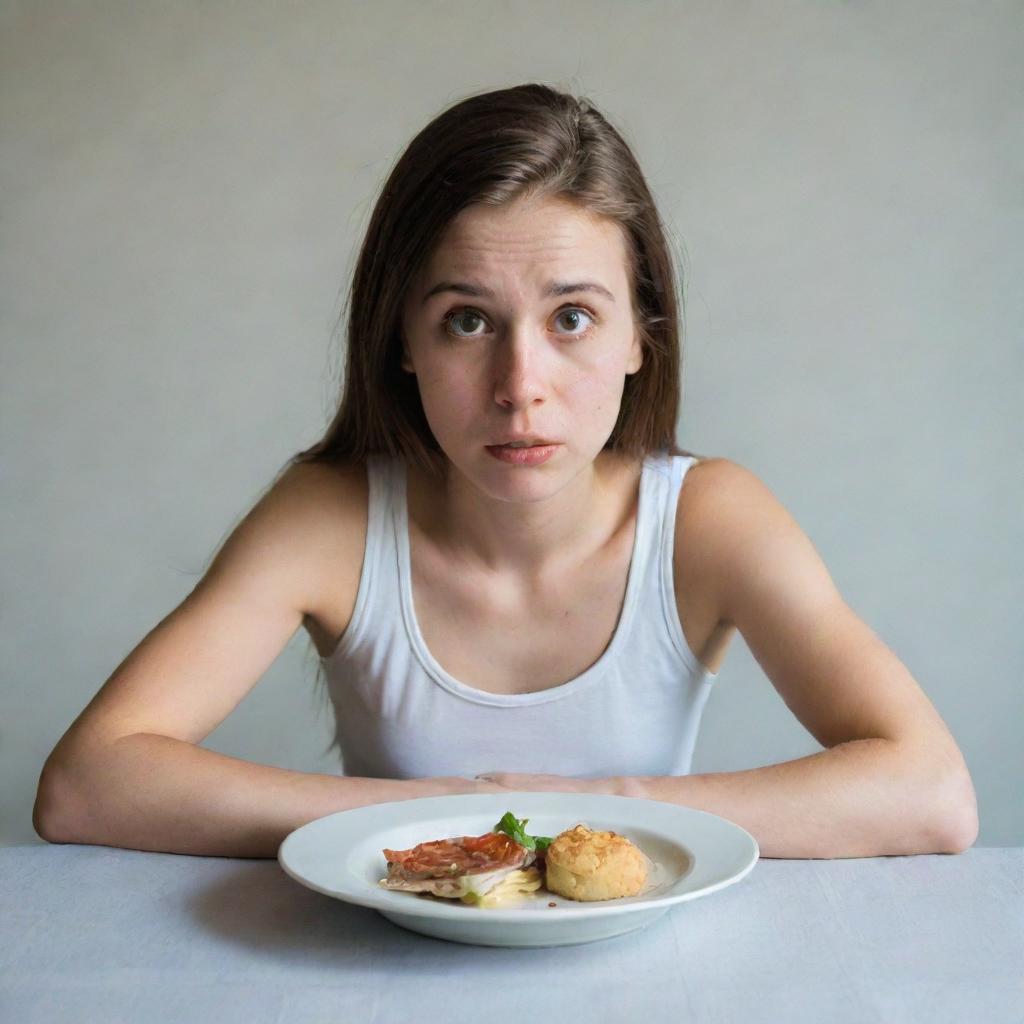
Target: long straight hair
<point>529,141</point>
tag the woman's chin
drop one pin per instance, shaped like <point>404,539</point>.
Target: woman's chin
<point>503,480</point>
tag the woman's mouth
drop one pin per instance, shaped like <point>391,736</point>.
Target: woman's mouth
<point>531,455</point>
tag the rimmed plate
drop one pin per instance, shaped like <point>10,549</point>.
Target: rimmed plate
<point>694,854</point>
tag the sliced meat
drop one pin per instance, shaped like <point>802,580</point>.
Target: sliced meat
<point>452,858</point>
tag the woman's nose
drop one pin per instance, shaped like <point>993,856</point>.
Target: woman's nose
<point>519,372</point>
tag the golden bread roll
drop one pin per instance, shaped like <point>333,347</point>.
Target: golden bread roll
<point>587,865</point>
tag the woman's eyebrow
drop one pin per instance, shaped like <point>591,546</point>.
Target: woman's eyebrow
<point>554,288</point>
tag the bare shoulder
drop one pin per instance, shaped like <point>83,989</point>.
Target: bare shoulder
<point>317,501</point>
<point>720,496</point>
<point>738,542</point>
<point>312,522</point>
<point>320,490</point>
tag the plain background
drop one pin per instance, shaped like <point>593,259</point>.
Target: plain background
<point>183,190</point>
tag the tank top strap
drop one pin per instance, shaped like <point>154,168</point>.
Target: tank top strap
<point>380,478</point>
<point>673,470</point>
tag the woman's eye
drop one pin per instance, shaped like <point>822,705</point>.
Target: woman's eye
<point>461,316</point>
<point>576,314</point>
<point>465,322</point>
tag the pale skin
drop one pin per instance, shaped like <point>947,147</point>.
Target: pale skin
<point>503,555</point>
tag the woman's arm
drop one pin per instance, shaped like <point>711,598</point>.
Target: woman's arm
<point>129,771</point>
<point>147,791</point>
<point>892,779</point>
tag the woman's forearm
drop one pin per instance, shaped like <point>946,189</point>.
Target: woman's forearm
<point>151,792</point>
<point>862,798</point>
<point>865,798</point>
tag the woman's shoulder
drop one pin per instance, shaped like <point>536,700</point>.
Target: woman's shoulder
<point>341,481</point>
<point>328,500</point>
<point>722,503</point>
<point>710,475</point>
<point>311,499</point>
<point>734,536</point>
<point>319,510</point>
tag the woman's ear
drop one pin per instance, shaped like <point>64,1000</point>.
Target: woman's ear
<point>636,355</point>
<point>406,358</point>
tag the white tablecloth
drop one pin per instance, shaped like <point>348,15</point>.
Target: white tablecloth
<point>91,934</point>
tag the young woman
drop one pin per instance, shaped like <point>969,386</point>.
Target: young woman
<point>513,576</point>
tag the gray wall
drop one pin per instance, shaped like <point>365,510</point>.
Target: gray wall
<point>183,189</point>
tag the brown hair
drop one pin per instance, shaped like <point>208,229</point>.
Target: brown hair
<point>528,141</point>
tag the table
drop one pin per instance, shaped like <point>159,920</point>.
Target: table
<point>94,934</point>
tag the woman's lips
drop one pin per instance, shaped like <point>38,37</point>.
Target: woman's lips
<point>532,456</point>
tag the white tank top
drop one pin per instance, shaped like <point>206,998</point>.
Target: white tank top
<point>399,714</point>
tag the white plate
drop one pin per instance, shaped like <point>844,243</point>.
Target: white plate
<point>694,853</point>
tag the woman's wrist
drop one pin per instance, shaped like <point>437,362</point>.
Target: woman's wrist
<point>455,785</point>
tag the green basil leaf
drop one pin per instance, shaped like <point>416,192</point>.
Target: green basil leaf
<point>516,829</point>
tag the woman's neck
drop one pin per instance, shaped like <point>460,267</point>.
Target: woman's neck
<point>528,540</point>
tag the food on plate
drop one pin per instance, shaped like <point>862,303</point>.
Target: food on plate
<point>475,869</point>
<point>508,862</point>
<point>586,865</point>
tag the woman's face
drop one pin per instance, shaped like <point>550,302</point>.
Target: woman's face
<point>521,325</point>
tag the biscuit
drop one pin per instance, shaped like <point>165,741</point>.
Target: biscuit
<point>586,865</point>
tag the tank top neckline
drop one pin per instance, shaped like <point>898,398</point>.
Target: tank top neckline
<point>589,676</point>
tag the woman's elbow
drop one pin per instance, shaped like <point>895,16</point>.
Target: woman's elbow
<point>956,817</point>
<point>964,831</point>
<point>52,813</point>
